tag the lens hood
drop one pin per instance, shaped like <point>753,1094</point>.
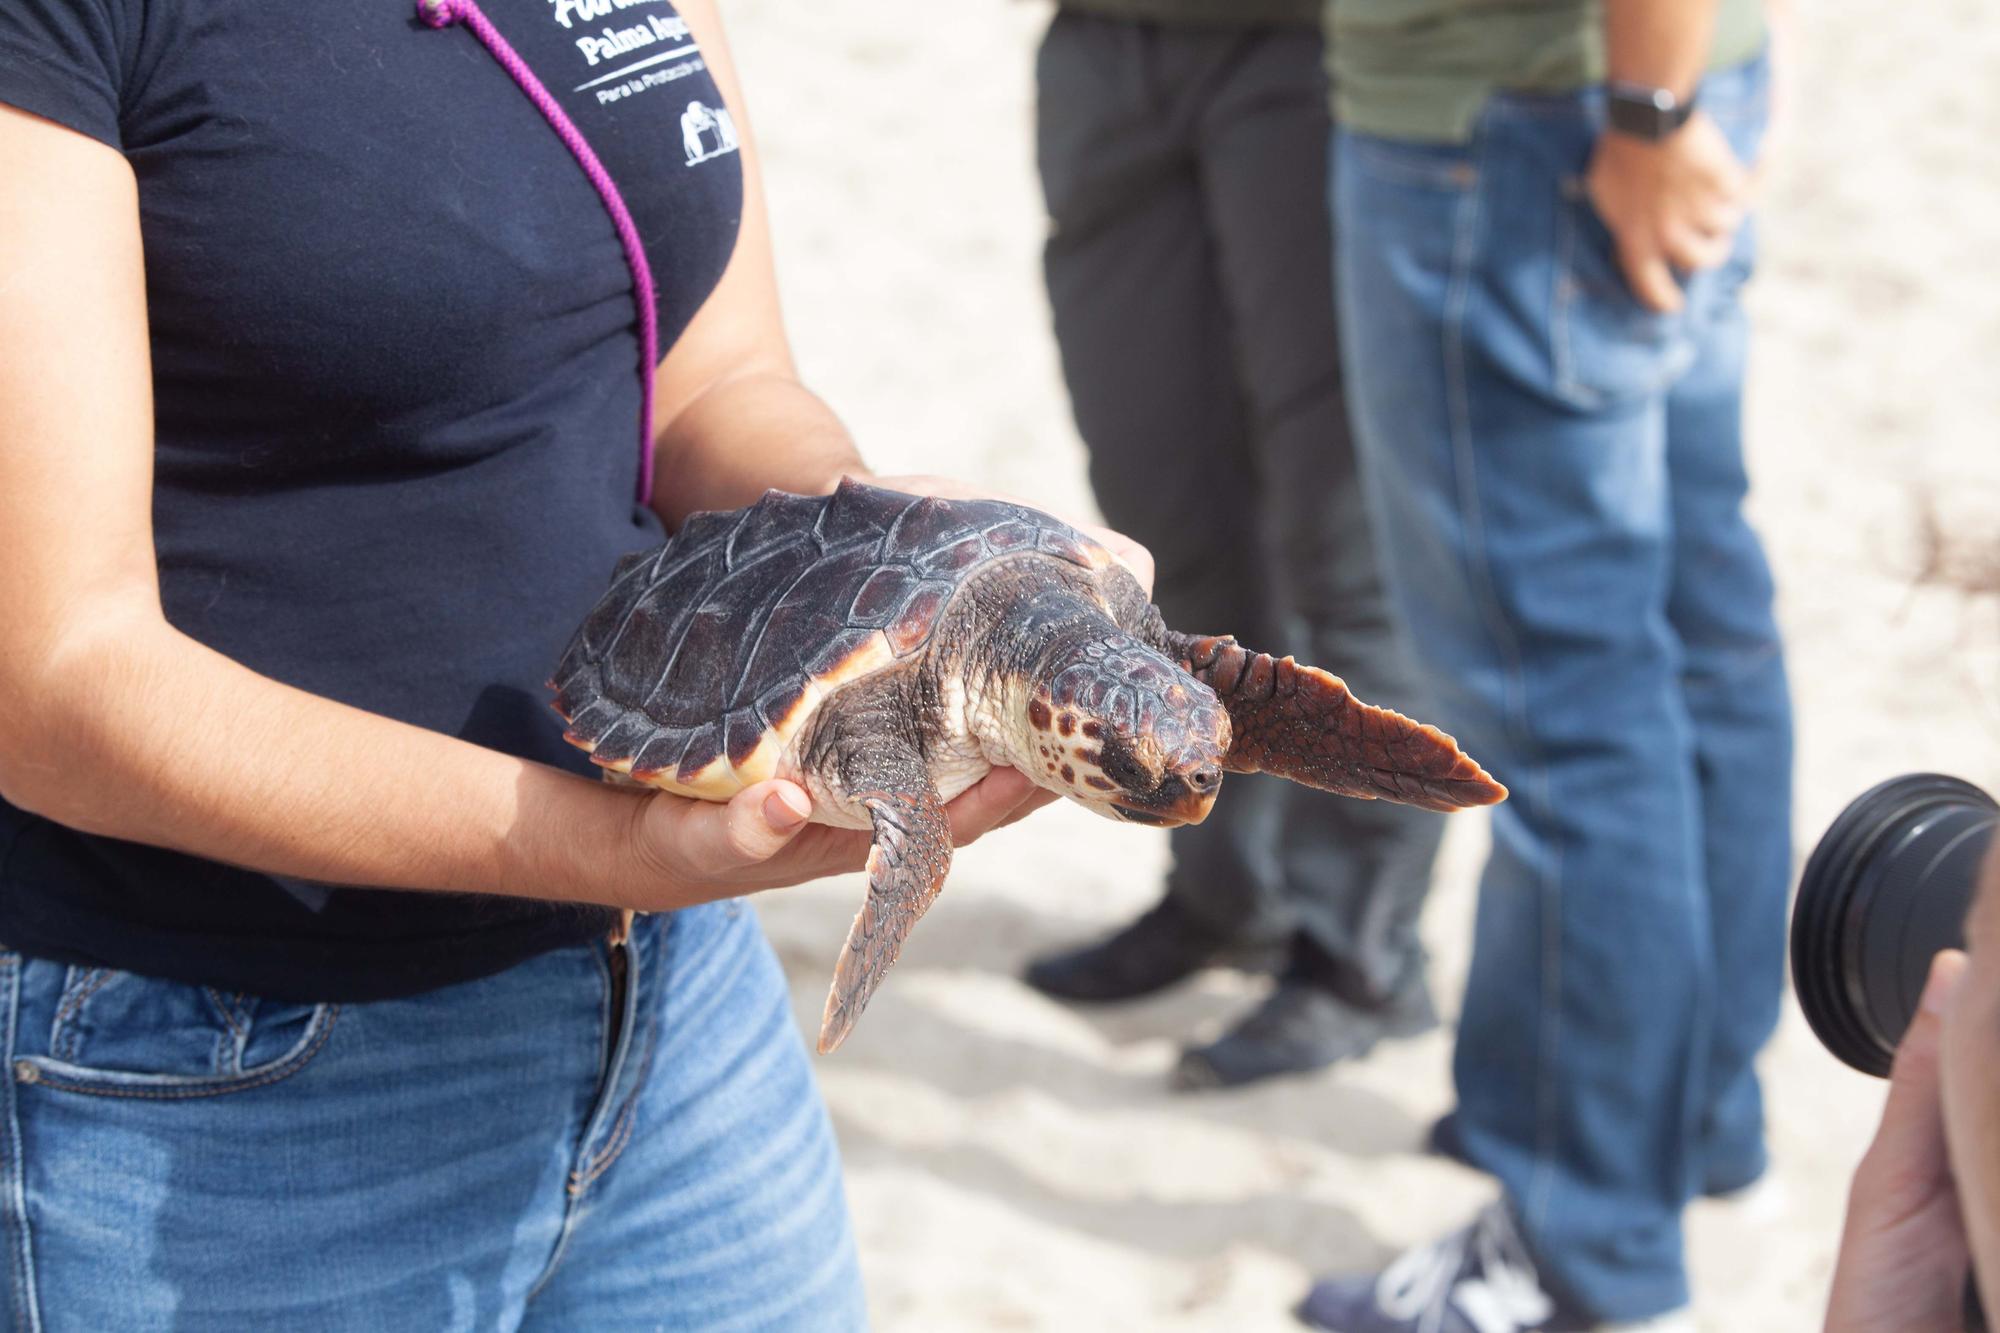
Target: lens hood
<point>1887,887</point>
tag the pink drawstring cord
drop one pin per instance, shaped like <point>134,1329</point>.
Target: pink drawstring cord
<point>444,13</point>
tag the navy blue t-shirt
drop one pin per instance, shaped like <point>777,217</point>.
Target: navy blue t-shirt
<point>396,384</point>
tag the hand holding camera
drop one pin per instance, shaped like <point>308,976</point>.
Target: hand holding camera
<point>1876,936</point>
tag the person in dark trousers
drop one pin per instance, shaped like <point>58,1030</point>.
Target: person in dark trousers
<point>1182,147</point>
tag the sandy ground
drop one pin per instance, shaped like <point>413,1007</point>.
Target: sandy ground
<point>1014,1164</point>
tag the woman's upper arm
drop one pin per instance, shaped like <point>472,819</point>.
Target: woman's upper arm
<point>76,550</point>
<point>739,329</point>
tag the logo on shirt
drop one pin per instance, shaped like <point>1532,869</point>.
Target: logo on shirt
<point>620,41</point>
<point>652,66</point>
<point>707,132</point>
<point>587,10</point>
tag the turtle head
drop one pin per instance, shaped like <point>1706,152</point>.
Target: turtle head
<point>1124,730</point>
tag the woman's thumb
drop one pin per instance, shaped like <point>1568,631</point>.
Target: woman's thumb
<point>1919,1047</point>
<point>759,820</point>
<point>1910,1141</point>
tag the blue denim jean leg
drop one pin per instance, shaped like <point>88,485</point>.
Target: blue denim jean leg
<point>1557,478</point>
<point>597,1138</point>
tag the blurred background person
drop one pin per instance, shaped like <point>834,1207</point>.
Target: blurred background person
<point>1182,150</point>
<point>1540,210</point>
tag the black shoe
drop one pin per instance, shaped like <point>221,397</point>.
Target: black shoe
<point>1162,947</point>
<point>1300,1027</point>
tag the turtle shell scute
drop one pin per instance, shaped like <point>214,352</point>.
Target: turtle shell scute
<point>776,704</point>
<point>911,628</point>
<point>777,520</point>
<point>828,657</point>
<point>1067,543</point>
<point>704,747</point>
<point>622,741</point>
<point>883,595</point>
<point>1004,537</point>
<point>923,528</point>
<point>742,729</point>
<point>661,754</point>
<point>961,554</point>
<point>860,513</point>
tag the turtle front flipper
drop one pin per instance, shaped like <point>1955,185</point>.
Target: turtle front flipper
<point>1302,723</point>
<point>906,868</point>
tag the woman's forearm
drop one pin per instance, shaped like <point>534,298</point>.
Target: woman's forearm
<point>746,436</point>
<point>135,731</point>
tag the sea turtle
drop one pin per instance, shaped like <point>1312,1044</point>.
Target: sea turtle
<point>886,650</point>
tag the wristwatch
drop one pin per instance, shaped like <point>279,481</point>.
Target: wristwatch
<point>1646,113</point>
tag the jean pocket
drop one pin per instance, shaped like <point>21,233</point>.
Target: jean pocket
<point>117,1034</point>
<point>1399,209</point>
<point>1607,347</point>
<point>1738,100</point>
<point>1426,166</point>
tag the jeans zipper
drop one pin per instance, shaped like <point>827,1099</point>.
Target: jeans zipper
<point>617,1035</point>
<point>618,962</point>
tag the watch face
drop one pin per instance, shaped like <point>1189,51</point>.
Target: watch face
<point>1645,113</point>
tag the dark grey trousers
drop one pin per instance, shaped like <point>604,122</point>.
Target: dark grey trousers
<point>1189,267</point>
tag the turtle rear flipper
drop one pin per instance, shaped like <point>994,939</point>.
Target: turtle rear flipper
<point>1302,723</point>
<point>906,868</point>
<point>868,747</point>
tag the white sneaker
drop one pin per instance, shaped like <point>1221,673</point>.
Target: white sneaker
<point>1477,1280</point>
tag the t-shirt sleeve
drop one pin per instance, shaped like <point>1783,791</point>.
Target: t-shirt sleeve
<point>64,60</point>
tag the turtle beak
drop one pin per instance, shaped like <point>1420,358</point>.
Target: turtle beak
<point>1184,798</point>
<point>1193,807</point>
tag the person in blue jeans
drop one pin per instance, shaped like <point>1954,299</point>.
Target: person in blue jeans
<point>1539,272</point>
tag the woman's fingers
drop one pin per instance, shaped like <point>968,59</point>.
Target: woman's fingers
<point>1037,799</point>
<point>761,838</point>
<point>988,803</point>
<point>1130,553</point>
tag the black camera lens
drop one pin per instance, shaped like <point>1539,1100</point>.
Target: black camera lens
<point>1887,887</point>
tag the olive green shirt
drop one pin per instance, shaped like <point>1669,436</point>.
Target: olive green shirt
<point>1421,69</point>
<point>1204,13</point>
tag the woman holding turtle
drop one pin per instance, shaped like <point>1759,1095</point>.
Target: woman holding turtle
<point>317,392</point>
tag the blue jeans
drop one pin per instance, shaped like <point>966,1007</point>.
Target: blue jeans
<point>1557,479</point>
<point>512,1153</point>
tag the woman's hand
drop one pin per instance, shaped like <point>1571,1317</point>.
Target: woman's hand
<point>687,851</point>
<point>1903,1255</point>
